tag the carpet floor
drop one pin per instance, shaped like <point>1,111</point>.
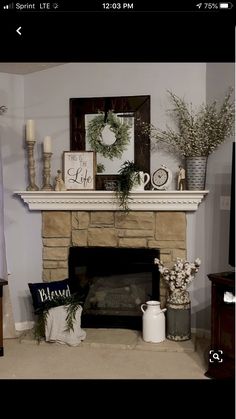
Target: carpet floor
<point>105,354</point>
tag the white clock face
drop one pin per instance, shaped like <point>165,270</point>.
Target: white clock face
<point>160,177</point>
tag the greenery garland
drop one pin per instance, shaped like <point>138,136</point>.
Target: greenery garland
<point>95,128</point>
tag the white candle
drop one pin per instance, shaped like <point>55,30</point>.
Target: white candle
<point>47,144</point>
<point>30,130</point>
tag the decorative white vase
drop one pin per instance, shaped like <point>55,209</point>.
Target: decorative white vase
<point>196,172</point>
<point>153,322</point>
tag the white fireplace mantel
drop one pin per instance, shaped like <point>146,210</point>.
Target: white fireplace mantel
<point>107,201</point>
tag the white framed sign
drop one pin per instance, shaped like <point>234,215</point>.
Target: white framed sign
<point>79,169</point>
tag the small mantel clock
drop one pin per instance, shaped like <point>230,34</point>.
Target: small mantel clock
<point>161,178</point>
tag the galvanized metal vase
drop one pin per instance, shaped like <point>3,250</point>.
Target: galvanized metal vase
<point>178,316</point>
<point>196,172</point>
<point>178,321</point>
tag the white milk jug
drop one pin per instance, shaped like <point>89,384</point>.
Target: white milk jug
<point>143,180</point>
<point>153,322</point>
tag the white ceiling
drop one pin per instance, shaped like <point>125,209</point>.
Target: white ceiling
<point>25,68</point>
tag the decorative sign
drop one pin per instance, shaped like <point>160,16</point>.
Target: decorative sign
<point>79,170</point>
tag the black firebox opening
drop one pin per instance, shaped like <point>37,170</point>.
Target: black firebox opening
<point>114,283</point>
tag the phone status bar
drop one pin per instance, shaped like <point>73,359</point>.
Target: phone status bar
<point>113,6</point>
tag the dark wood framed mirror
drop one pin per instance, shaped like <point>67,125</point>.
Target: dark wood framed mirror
<point>136,108</point>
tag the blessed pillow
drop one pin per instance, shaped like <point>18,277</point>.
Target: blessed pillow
<point>43,292</point>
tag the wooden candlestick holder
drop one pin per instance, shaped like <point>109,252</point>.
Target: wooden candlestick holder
<point>31,166</point>
<point>47,172</point>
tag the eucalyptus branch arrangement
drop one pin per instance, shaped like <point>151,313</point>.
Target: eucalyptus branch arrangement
<point>199,132</point>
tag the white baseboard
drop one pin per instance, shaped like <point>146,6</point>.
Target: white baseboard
<point>24,326</point>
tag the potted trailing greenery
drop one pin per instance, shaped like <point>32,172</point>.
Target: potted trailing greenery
<point>129,175</point>
<point>198,132</point>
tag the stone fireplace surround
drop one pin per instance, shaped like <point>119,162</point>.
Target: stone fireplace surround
<point>157,219</point>
<point>165,230</point>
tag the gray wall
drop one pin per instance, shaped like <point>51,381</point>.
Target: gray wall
<point>44,96</point>
<point>218,79</point>
<point>209,238</point>
<point>21,231</point>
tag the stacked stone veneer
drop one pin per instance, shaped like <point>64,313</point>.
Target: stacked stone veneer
<point>63,229</point>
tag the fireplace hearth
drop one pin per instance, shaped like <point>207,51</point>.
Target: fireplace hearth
<point>115,282</point>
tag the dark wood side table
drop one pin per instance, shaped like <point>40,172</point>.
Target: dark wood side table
<point>222,326</point>
<point>2,282</point>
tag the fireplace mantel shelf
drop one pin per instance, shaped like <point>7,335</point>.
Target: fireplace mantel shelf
<point>107,201</point>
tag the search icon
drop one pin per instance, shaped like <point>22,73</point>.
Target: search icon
<point>216,355</point>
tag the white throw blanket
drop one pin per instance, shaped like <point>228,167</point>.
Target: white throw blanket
<point>55,329</point>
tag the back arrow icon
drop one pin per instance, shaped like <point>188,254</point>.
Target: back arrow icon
<point>19,30</point>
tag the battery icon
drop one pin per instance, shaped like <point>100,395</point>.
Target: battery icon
<point>226,5</point>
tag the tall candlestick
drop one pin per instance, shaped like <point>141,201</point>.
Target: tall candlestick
<point>31,167</point>
<point>47,145</point>
<point>30,130</point>
<point>47,171</point>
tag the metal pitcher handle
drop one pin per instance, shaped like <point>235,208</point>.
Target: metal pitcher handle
<point>142,305</point>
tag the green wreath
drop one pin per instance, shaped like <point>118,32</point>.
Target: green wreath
<point>95,128</point>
